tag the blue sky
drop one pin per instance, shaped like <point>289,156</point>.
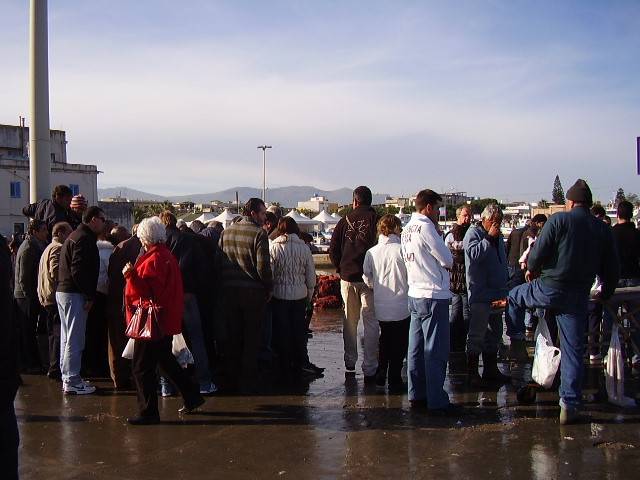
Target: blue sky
<point>490,97</point>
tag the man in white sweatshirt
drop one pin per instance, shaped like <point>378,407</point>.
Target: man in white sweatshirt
<point>427,259</point>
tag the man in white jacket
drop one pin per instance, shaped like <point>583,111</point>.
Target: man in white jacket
<point>427,259</point>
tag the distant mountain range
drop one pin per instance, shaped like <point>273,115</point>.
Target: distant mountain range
<point>285,196</point>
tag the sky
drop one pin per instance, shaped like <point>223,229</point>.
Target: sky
<point>489,97</point>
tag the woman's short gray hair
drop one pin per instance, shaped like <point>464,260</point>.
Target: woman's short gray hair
<point>491,211</point>
<point>152,231</point>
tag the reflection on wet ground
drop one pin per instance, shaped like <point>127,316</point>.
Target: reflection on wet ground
<point>332,427</point>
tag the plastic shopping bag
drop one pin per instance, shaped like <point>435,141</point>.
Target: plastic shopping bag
<point>128,350</point>
<point>181,351</point>
<point>614,372</point>
<point>547,357</point>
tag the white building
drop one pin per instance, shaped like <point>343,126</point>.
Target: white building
<point>14,175</point>
<point>318,203</point>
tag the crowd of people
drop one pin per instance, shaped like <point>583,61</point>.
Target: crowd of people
<point>242,297</point>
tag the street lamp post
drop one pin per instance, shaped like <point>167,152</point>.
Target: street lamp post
<point>264,171</point>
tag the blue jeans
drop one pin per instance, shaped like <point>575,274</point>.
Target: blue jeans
<point>73,325</point>
<point>485,329</point>
<point>570,309</point>
<point>428,350</point>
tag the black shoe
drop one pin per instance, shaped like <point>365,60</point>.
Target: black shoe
<point>450,410</point>
<point>143,420</point>
<point>191,408</point>
<point>56,376</point>
<point>490,371</point>
<point>398,387</point>
<point>473,378</point>
<point>316,368</point>
<point>381,378</point>
<point>369,379</point>
<point>418,404</point>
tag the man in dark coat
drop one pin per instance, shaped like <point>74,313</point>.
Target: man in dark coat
<point>53,210</point>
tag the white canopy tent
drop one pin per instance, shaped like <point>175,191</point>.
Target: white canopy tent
<point>306,224</point>
<point>327,220</point>
<point>226,217</point>
<point>206,217</point>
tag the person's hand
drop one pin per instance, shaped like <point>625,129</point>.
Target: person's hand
<point>494,231</point>
<point>127,268</point>
<point>529,276</point>
<point>88,304</point>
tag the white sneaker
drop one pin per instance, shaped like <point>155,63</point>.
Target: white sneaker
<point>208,389</point>
<point>82,388</point>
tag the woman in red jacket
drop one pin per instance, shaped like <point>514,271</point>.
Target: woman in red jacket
<point>156,276</point>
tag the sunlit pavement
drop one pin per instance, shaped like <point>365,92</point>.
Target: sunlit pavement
<point>334,428</point>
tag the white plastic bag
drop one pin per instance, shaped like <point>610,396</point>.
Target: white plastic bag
<point>181,351</point>
<point>128,350</point>
<point>547,357</point>
<point>614,372</point>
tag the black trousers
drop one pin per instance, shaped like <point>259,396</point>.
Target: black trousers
<point>53,332</point>
<point>243,310</point>
<point>393,346</point>
<point>147,356</point>
<point>9,441</point>
<point>95,355</point>
<point>28,313</point>
<point>289,334</point>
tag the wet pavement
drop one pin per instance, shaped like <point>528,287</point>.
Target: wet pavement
<point>335,427</point>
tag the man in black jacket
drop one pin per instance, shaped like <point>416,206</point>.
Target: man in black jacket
<point>54,210</point>
<point>353,236</point>
<point>77,281</point>
<point>9,379</point>
<point>572,248</point>
<point>25,292</point>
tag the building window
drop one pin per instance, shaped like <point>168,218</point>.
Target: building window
<point>75,189</point>
<point>15,190</point>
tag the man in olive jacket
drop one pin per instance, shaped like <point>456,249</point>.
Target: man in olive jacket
<point>77,280</point>
<point>353,236</point>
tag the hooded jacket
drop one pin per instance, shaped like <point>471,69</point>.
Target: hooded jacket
<point>427,259</point>
<point>386,274</point>
<point>294,273</point>
<point>354,234</point>
<point>486,266</point>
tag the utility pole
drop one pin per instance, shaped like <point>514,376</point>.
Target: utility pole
<point>264,171</point>
<point>39,135</point>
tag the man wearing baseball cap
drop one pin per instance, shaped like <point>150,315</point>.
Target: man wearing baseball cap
<point>572,248</point>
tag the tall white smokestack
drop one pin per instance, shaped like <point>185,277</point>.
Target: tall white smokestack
<point>39,136</point>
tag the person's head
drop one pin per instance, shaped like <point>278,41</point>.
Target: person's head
<point>38,230</point>
<point>152,231</point>
<point>270,222</point>
<point>491,215</point>
<point>607,220</point>
<point>276,210</point>
<point>538,221</point>
<point>134,230</point>
<point>62,195</point>
<point>119,234</point>
<point>598,211</point>
<point>168,219</point>
<point>61,231</point>
<point>216,225</point>
<point>79,204</point>
<point>362,197</point>
<point>287,225</point>
<point>94,219</point>
<point>256,210</point>
<point>428,204</point>
<point>389,224</point>
<point>579,195</point>
<point>624,211</point>
<point>463,214</point>
<point>197,226</point>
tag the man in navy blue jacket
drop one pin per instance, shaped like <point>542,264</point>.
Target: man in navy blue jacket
<point>573,247</point>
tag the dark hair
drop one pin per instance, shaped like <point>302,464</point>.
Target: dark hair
<point>426,197</point>
<point>272,218</point>
<point>288,225</point>
<point>90,213</point>
<point>61,191</point>
<point>252,205</point>
<point>168,218</point>
<point>598,211</point>
<point>34,226</point>
<point>61,227</point>
<point>363,196</point>
<point>540,217</point>
<point>197,226</point>
<point>625,210</point>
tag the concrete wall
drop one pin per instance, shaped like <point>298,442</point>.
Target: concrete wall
<point>14,142</point>
<point>119,212</point>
